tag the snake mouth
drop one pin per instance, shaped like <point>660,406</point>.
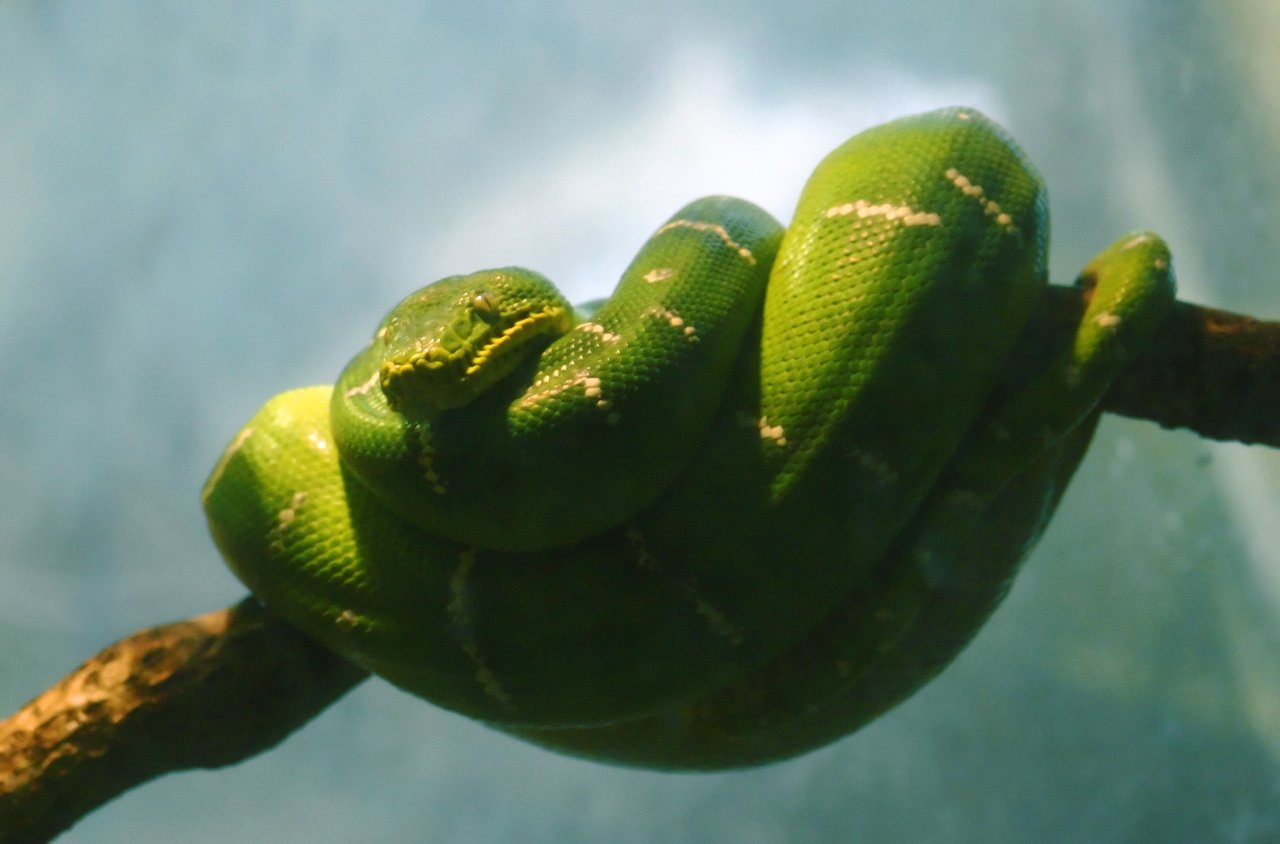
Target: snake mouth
<point>438,378</point>
<point>505,350</point>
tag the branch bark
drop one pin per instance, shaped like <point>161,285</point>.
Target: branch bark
<point>205,692</point>
<point>225,686</point>
<point>1211,371</point>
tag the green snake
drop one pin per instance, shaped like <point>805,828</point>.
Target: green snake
<point>761,494</point>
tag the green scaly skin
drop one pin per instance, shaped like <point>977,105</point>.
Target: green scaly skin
<point>625,399</point>
<point>699,529</point>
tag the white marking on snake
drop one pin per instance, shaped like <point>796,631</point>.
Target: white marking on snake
<point>289,513</point>
<point>1136,241</point>
<point>361,389</point>
<point>719,623</point>
<point>1107,320</point>
<point>675,321</point>
<point>347,621</point>
<point>591,388</point>
<point>989,206</point>
<point>317,441</point>
<point>283,519</point>
<point>771,432</point>
<point>598,330</point>
<point>659,274</point>
<point>716,620</point>
<point>216,474</point>
<point>427,461</point>
<point>908,215</point>
<point>457,611</point>
<point>714,228</point>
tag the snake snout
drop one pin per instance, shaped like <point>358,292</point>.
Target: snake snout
<point>424,383</point>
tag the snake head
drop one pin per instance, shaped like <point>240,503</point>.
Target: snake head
<point>446,344</point>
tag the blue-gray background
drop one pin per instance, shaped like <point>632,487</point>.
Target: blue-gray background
<point>205,204</point>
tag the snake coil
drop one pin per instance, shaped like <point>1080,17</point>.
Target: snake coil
<point>762,494</point>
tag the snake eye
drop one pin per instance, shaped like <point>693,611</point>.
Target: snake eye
<point>485,304</point>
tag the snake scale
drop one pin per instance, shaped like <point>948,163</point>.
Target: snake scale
<point>760,495</point>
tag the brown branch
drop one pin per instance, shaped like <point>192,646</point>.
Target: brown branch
<point>202,693</point>
<point>226,686</point>
<point>1213,372</point>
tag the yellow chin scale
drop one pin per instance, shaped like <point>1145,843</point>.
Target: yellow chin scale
<point>548,322</point>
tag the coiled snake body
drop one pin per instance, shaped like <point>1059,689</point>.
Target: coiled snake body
<point>763,493</point>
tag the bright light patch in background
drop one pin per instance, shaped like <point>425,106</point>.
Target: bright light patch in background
<point>702,129</point>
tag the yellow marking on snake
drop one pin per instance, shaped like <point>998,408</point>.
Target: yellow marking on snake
<point>989,206</point>
<point>908,215</point>
<point>659,274</point>
<point>716,229</point>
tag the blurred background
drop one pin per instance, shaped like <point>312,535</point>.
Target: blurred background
<point>205,204</point>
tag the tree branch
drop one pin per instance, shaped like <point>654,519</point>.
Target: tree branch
<point>202,693</point>
<point>228,685</point>
<point>1214,372</point>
